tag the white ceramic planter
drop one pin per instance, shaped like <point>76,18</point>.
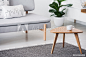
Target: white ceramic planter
<point>58,21</point>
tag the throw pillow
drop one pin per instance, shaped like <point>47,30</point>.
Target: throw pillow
<point>3,3</point>
<point>13,11</point>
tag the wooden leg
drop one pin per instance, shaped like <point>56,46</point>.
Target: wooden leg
<point>54,43</point>
<point>77,39</point>
<point>26,12</point>
<point>63,39</point>
<point>45,32</point>
<point>26,35</point>
<point>63,24</point>
<point>41,29</point>
<point>74,21</point>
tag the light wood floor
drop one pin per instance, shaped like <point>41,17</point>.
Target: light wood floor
<point>35,37</point>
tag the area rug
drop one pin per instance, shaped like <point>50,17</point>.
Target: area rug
<point>44,51</point>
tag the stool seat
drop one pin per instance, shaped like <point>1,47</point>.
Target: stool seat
<point>63,29</point>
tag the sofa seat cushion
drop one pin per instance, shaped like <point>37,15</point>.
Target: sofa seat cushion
<point>28,19</point>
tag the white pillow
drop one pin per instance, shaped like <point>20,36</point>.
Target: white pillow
<point>1,14</point>
<point>13,11</point>
<point>3,3</point>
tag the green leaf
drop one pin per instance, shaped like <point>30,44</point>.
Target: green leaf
<point>62,0</point>
<point>54,5</point>
<point>54,0</point>
<point>63,9</point>
<point>58,14</point>
<point>69,5</point>
<point>59,2</point>
<point>62,13</point>
<point>62,5</point>
<point>52,10</point>
<point>52,15</point>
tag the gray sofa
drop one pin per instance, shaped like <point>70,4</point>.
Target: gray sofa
<point>30,22</point>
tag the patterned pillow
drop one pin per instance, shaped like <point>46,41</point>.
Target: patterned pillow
<point>3,3</point>
<point>13,11</point>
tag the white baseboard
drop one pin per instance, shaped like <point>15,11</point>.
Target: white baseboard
<point>80,22</point>
<point>72,20</point>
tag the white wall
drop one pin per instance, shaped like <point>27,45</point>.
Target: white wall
<point>75,12</point>
<point>42,7</point>
<point>76,3</point>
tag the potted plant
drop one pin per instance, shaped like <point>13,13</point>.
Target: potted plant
<point>57,12</point>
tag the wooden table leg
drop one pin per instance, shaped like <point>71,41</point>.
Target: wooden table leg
<point>45,32</point>
<point>77,39</point>
<point>26,35</point>
<point>54,43</point>
<point>74,20</point>
<point>63,39</point>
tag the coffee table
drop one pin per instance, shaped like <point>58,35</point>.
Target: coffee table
<point>64,30</point>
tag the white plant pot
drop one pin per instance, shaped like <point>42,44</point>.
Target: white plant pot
<point>58,21</point>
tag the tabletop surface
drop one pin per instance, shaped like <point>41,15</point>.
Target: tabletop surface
<point>63,29</point>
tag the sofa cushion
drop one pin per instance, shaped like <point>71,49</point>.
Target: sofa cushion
<point>28,19</point>
<point>24,27</point>
<point>28,4</point>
